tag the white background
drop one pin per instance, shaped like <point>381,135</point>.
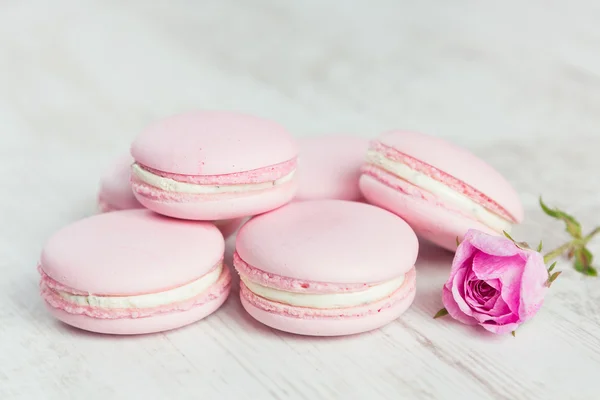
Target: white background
<point>516,82</point>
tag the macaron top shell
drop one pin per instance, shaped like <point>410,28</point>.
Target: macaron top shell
<point>458,162</point>
<point>131,252</point>
<point>330,241</point>
<point>213,143</point>
<point>115,186</point>
<point>329,167</point>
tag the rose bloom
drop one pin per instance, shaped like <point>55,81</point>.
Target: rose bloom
<point>494,283</point>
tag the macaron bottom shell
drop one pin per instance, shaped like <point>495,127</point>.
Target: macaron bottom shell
<point>241,204</point>
<point>158,322</point>
<point>339,325</point>
<point>429,219</point>
<point>138,326</point>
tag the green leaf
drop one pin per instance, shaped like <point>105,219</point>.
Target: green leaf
<point>457,241</point>
<point>514,333</point>
<point>442,313</point>
<point>509,237</point>
<point>579,263</point>
<point>588,255</point>
<point>583,262</point>
<point>552,267</point>
<point>591,235</point>
<point>573,226</point>
<point>552,278</point>
<point>521,245</point>
<point>540,247</point>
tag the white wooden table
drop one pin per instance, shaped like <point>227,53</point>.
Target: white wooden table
<point>516,82</point>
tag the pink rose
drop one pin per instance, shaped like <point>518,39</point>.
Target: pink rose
<point>494,283</point>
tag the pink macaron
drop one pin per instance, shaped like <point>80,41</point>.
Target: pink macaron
<point>329,167</point>
<point>211,165</point>
<point>133,272</point>
<point>115,194</point>
<point>440,189</point>
<point>115,188</point>
<point>326,267</point>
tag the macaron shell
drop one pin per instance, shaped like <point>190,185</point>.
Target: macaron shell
<point>51,293</point>
<point>241,205</point>
<point>430,221</point>
<point>329,167</point>
<point>115,188</point>
<point>459,163</point>
<point>131,252</point>
<point>336,326</point>
<point>135,326</point>
<point>104,207</point>
<point>213,143</point>
<point>329,241</point>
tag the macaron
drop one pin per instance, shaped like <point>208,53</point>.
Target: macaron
<point>211,165</point>
<point>115,194</point>
<point>115,188</point>
<point>329,167</point>
<point>440,189</point>
<point>133,272</point>
<point>326,267</point>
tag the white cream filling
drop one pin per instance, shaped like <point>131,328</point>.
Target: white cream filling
<point>327,300</point>
<point>151,300</point>
<point>171,185</point>
<point>443,192</point>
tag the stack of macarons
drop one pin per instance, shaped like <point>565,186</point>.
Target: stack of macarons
<point>329,247</point>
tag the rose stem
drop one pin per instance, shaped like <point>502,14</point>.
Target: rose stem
<point>557,252</point>
<point>591,235</point>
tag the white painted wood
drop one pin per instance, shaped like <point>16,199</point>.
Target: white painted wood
<point>516,82</point>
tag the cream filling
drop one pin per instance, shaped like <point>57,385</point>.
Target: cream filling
<point>171,185</point>
<point>443,192</point>
<point>151,300</point>
<point>327,300</point>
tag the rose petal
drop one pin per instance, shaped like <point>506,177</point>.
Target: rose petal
<point>482,305</point>
<point>533,286</point>
<point>492,301</point>
<point>509,318</point>
<point>498,314</point>
<point>468,292</point>
<point>453,308</point>
<point>483,290</point>
<point>487,267</point>
<point>471,276</point>
<point>500,329</point>
<point>458,291</point>
<point>495,283</point>
<point>462,259</point>
<point>511,289</point>
<point>477,306</point>
<point>479,287</point>
<point>493,245</point>
<point>508,271</point>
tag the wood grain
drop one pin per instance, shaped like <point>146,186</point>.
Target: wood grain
<point>516,82</point>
